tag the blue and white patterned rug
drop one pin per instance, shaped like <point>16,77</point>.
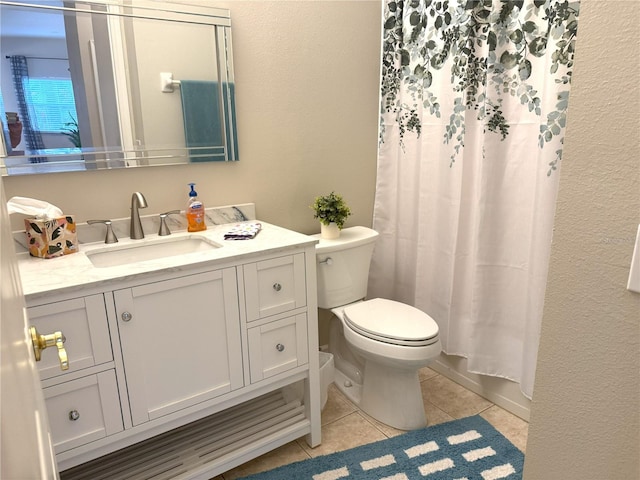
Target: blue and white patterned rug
<point>467,449</point>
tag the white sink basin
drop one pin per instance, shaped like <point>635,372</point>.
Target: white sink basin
<point>149,250</point>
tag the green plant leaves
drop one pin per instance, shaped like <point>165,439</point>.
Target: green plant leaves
<point>331,209</point>
<point>477,47</point>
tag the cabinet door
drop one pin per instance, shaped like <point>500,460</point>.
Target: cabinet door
<point>180,342</point>
<point>274,286</point>
<point>83,410</point>
<point>277,346</point>
<point>83,322</point>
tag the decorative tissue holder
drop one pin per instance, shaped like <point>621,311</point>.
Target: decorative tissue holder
<point>51,238</point>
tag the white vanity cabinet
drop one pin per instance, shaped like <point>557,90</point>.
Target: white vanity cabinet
<point>180,342</point>
<point>275,292</point>
<point>84,323</point>
<point>82,402</point>
<point>191,369</point>
<point>83,410</point>
<point>274,286</point>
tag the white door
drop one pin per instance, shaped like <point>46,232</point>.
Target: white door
<point>26,452</point>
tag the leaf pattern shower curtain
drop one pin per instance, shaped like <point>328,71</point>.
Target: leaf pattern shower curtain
<point>474,96</point>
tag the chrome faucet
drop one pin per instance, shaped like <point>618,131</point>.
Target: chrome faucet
<point>110,237</point>
<point>137,201</point>
<point>164,229</point>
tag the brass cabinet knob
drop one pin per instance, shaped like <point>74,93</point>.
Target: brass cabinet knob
<point>56,339</point>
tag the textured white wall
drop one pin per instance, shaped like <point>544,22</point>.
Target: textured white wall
<point>307,105</point>
<point>586,405</point>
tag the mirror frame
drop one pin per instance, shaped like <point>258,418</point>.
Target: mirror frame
<point>128,154</point>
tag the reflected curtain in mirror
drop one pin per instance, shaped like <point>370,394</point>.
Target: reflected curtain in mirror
<point>20,72</point>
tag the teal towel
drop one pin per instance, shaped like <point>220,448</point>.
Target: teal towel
<point>202,121</point>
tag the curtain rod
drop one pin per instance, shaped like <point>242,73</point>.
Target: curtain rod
<point>36,58</point>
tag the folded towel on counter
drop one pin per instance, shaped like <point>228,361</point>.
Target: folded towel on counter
<point>243,231</point>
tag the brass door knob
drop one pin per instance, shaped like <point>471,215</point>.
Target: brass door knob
<point>56,339</point>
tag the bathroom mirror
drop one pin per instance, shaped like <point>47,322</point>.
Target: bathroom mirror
<point>104,84</point>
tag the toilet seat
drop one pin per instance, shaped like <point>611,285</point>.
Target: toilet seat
<point>391,322</point>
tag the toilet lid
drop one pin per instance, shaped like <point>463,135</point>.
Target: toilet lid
<point>391,322</point>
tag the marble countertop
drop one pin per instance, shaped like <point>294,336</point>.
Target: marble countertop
<point>75,271</point>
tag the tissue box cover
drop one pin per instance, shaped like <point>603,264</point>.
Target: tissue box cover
<point>51,238</point>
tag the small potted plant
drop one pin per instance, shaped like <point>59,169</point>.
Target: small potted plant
<point>332,211</point>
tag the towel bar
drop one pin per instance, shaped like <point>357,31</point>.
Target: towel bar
<point>167,83</point>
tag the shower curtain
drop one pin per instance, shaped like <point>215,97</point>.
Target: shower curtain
<point>474,97</point>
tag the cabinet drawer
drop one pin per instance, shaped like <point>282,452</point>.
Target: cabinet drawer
<point>274,286</point>
<point>83,410</point>
<point>277,346</point>
<point>83,322</point>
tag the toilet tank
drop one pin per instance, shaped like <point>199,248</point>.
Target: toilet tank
<point>343,266</point>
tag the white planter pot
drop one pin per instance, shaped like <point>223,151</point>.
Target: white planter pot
<point>329,232</point>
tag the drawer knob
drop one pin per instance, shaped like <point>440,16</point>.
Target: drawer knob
<point>74,415</point>
<point>56,339</point>
<point>277,287</point>
<point>326,261</point>
<point>126,316</point>
<point>280,347</point>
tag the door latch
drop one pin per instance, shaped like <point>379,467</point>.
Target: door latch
<point>55,339</point>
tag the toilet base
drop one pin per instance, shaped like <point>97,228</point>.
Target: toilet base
<point>350,389</point>
<point>390,396</point>
<point>393,397</point>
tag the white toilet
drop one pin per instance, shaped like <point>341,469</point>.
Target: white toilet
<point>378,345</point>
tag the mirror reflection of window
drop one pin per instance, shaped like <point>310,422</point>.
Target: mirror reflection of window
<point>35,79</point>
<point>117,116</point>
<point>49,76</point>
<point>51,105</point>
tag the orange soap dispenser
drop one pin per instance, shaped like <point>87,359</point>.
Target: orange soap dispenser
<point>195,212</point>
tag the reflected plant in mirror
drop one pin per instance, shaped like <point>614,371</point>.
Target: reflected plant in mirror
<point>87,85</point>
<point>72,132</point>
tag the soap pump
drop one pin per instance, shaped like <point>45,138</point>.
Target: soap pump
<point>195,212</point>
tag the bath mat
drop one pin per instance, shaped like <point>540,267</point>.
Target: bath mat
<point>469,449</point>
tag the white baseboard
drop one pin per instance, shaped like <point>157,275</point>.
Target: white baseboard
<point>504,393</point>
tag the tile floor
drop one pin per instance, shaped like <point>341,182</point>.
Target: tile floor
<point>344,426</point>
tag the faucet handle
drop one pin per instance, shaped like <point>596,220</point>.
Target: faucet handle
<point>164,229</point>
<point>110,237</point>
